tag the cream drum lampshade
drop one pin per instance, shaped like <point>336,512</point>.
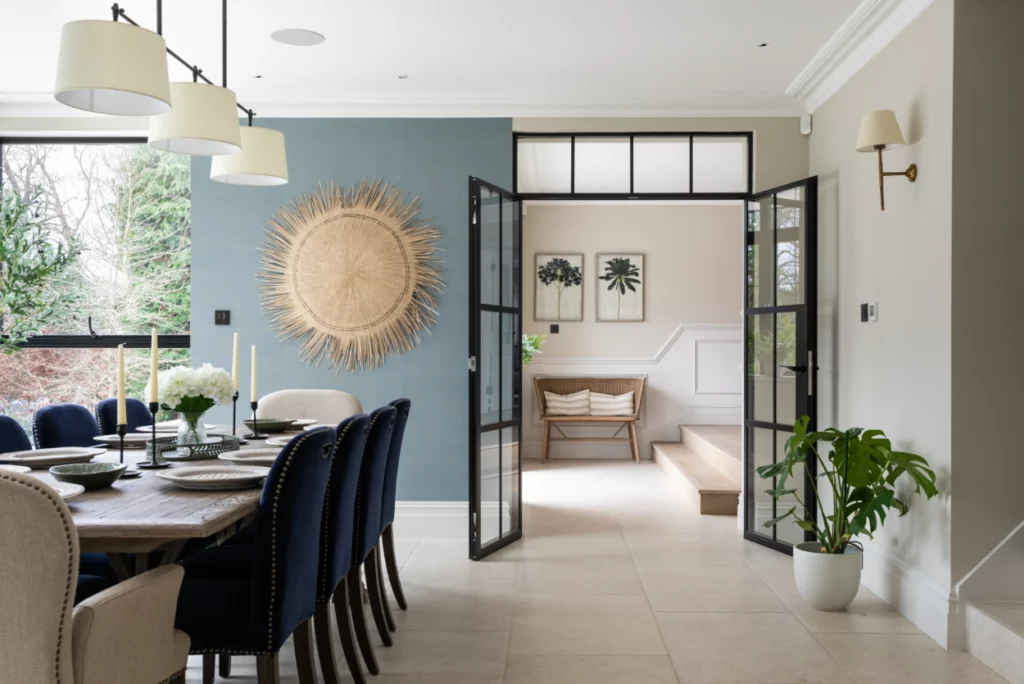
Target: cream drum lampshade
<point>879,128</point>
<point>262,160</point>
<point>203,121</point>
<point>112,67</point>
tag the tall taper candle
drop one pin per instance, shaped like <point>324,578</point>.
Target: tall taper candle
<point>254,395</point>
<point>122,409</point>
<point>234,364</point>
<point>154,369</point>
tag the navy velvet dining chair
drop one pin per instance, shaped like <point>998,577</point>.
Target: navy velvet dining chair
<point>387,515</point>
<point>247,599</point>
<point>338,534</point>
<point>369,497</point>
<point>12,436</point>
<point>106,415</point>
<point>64,425</point>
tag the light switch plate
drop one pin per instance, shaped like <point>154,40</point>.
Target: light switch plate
<point>221,317</point>
<point>873,312</point>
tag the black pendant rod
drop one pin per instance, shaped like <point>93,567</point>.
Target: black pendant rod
<point>197,73</point>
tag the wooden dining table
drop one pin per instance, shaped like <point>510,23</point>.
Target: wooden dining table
<point>147,521</point>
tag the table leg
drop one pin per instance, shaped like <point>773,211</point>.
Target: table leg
<point>120,563</point>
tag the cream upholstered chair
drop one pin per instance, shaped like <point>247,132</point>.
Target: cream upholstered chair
<point>122,635</point>
<point>329,407</point>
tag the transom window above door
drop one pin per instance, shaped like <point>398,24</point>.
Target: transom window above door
<point>633,165</point>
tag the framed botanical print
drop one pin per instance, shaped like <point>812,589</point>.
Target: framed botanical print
<point>620,281</point>
<point>558,287</point>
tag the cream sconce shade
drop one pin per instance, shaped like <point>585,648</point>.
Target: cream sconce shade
<point>112,67</point>
<point>880,131</point>
<point>203,121</point>
<point>262,160</point>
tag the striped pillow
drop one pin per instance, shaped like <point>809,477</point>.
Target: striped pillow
<point>577,404</point>
<point>608,405</point>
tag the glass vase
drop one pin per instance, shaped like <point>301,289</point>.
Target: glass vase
<point>191,429</point>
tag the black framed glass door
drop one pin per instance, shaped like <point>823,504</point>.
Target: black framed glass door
<point>780,328</point>
<point>495,368</point>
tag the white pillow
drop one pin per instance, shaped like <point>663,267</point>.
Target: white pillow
<point>577,404</point>
<point>608,405</point>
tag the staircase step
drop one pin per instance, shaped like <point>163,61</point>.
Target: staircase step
<point>719,493</point>
<point>719,445</point>
<point>995,636</point>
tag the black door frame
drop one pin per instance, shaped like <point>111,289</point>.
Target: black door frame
<point>478,550</point>
<point>807,354</point>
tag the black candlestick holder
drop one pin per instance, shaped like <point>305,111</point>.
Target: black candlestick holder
<point>154,408</point>
<point>234,414</point>
<point>122,430</point>
<point>255,423</point>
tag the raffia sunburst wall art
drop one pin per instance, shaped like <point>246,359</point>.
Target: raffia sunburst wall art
<point>353,271</point>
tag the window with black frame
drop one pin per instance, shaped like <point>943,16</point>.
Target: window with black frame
<point>126,209</point>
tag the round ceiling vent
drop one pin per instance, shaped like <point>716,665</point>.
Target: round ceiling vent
<point>296,36</point>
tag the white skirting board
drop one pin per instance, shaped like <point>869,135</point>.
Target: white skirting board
<point>435,519</point>
<point>920,599</point>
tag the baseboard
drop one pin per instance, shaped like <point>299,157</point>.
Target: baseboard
<point>444,519</point>
<point>920,599</point>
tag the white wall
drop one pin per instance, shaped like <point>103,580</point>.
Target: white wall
<point>894,374</point>
<point>690,343</point>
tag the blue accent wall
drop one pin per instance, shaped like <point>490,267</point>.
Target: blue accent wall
<point>427,158</point>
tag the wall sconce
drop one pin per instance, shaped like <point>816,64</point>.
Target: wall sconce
<point>879,131</point>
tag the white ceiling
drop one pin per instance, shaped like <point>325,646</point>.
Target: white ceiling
<point>505,57</point>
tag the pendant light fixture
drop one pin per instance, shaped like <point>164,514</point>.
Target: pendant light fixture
<point>110,67</point>
<point>262,160</point>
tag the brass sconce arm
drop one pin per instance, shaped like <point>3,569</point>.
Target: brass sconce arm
<point>910,174</point>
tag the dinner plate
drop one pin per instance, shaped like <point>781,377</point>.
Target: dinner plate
<point>168,427</point>
<point>67,490</point>
<point>15,468</point>
<point>133,440</point>
<point>302,424</point>
<point>215,477</point>
<point>278,441</point>
<point>258,457</point>
<point>44,458</point>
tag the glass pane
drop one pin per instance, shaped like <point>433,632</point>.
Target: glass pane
<point>760,243</point>
<point>34,378</point>
<point>760,344</point>
<point>544,165</point>
<point>490,247</point>
<point>489,367</point>
<point>602,165</point>
<point>510,267</point>
<point>490,482</point>
<point>510,347</point>
<point>790,231</point>
<point>787,381</point>
<point>509,481</point>
<point>661,164</point>
<point>788,531</point>
<point>763,508</point>
<point>720,164</point>
<point>128,208</point>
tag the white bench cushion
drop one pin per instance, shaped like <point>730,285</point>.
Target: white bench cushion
<point>609,405</point>
<point>576,404</point>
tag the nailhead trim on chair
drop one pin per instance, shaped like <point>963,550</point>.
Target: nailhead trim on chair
<point>326,518</point>
<point>71,561</point>
<point>174,676</point>
<point>35,430</point>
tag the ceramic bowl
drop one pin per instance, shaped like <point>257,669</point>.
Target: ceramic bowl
<point>271,424</point>
<point>89,475</point>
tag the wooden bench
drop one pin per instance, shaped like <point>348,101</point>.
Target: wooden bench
<point>603,385</point>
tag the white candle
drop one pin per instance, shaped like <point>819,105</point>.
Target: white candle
<point>253,373</point>
<point>154,369</point>
<point>122,409</point>
<point>234,364</point>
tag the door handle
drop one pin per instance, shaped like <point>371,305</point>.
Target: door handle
<point>796,369</point>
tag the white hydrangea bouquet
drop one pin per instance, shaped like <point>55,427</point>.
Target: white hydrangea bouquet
<point>191,392</point>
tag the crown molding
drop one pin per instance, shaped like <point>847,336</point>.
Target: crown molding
<point>863,35</point>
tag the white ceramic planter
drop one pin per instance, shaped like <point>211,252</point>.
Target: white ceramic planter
<point>827,581</point>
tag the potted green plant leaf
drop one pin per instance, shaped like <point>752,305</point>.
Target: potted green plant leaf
<point>531,345</point>
<point>855,490</point>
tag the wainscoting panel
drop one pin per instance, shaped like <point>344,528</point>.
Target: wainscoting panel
<point>718,367</point>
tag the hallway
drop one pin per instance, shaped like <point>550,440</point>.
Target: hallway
<point>619,580</point>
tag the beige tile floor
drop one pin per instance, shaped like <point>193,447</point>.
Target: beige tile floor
<point>618,579</point>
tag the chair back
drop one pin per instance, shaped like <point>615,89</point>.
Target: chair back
<point>106,415</point>
<point>329,407</point>
<point>12,436</point>
<point>39,571</point>
<point>286,553</point>
<point>339,520</point>
<point>64,425</point>
<point>387,514</point>
<point>370,494</point>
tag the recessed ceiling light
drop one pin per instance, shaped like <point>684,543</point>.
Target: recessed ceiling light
<point>403,76</point>
<point>296,36</point>
<point>259,76</point>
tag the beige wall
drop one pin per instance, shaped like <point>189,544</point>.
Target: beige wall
<point>894,374</point>
<point>780,151</point>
